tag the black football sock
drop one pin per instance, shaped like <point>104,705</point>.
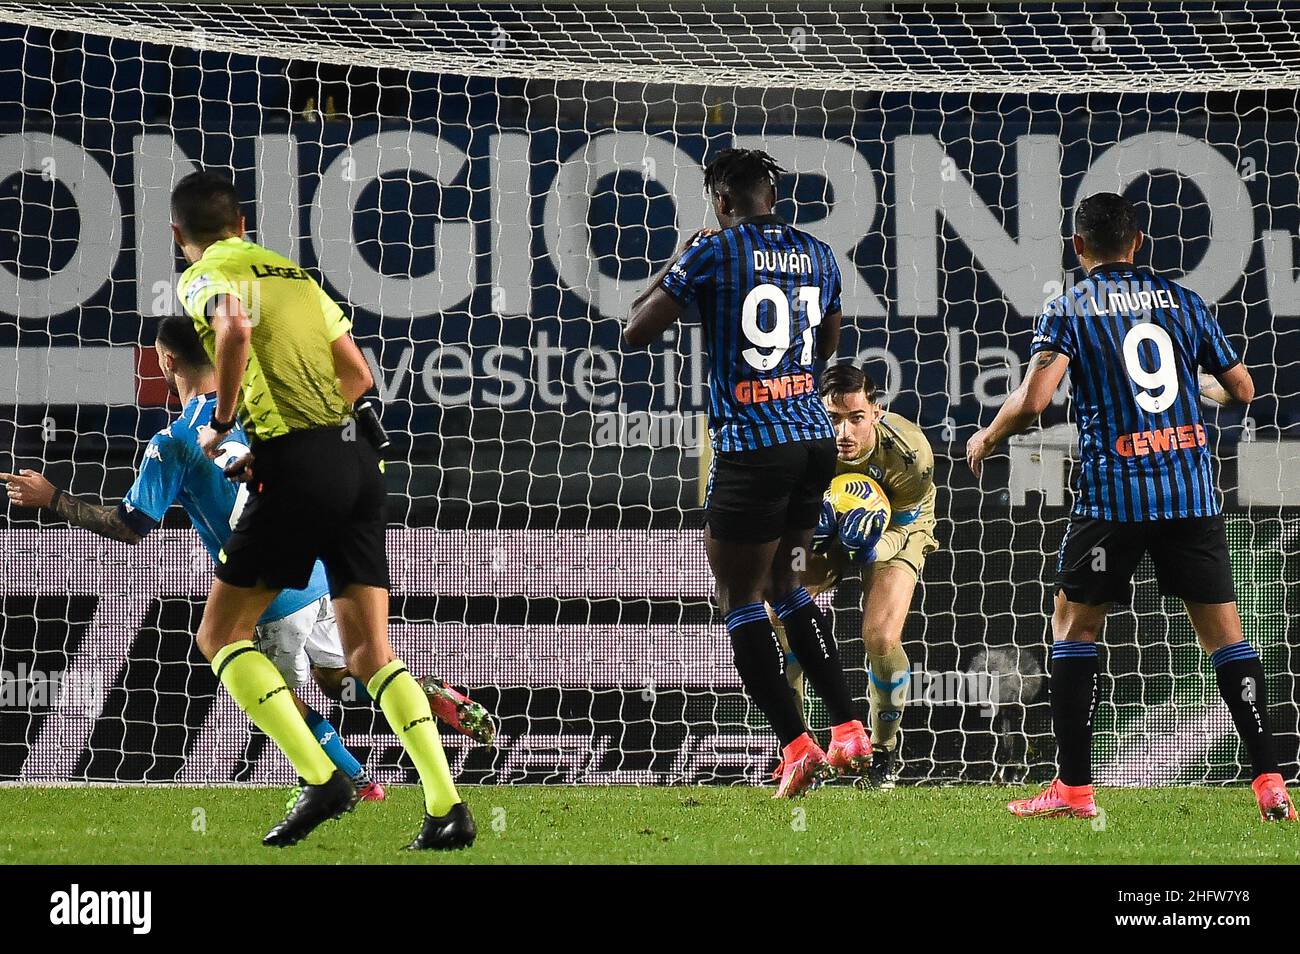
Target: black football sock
<point>813,644</point>
<point>1074,688</point>
<point>761,664</point>
<point>1240,676</point>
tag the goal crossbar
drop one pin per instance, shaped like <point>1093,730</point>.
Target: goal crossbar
<point>862,46</point>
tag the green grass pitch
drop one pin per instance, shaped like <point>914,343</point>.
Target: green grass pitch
<point>540,824</point>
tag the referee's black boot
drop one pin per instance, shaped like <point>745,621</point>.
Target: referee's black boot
<point>315,804</point>
<point>453,830</point>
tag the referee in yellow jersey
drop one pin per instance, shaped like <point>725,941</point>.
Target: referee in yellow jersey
<point>287,365</point>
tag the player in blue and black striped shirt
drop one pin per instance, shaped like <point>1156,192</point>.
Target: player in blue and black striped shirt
<point>1132,341</point>
<point>769,300</point>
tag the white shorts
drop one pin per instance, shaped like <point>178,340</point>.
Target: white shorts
<point>301,640</point>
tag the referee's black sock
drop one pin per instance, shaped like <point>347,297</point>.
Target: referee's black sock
<point>1240,676</point>
<point>813,644</point>
<point>1076,675</point>
<point>761,664</point>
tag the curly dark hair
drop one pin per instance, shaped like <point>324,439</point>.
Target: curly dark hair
<point>741,172</point>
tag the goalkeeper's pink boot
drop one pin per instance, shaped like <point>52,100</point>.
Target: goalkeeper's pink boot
<point>803,768</point>
<point>372,791</point>
<point>1058,799</point>
<point>850,751</point>
<point>1274,802</point>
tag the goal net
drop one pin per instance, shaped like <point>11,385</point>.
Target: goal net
<point>486,187</point>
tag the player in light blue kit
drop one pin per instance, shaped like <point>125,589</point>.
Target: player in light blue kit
<point>297,632</point>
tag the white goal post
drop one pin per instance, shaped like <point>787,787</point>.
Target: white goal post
<point>486,187</point>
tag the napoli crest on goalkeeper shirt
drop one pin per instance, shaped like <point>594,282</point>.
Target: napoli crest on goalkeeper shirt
<point>762,287</point>
<point>1134,340</point>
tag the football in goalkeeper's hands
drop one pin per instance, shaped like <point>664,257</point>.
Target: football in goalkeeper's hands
<point>862,512</point>
<point>850,492</point>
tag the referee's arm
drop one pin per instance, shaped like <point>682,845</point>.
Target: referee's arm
<point>233,332</point>
<point>351,368</point>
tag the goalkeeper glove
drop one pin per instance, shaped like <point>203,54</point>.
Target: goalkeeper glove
<point>366,411</point>
<point>826,530</point>
<point>860,531</point>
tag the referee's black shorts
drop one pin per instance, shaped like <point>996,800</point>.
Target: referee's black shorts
<point>1097,559</point>
<point>756,496</point>
<point>314,496</point>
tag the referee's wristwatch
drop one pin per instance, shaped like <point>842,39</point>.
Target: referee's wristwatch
<point>220,426</point>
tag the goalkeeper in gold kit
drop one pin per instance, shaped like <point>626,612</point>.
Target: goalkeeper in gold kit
<point>286,363</point>
<point>895,453</point>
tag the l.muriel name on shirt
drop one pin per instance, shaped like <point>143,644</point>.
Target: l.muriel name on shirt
<point>782,261</point>
<point>1121,302</point>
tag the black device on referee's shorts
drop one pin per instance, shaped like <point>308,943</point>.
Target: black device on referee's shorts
<point>316,496</point>
<point>1098,557</point>
<point>758,495</point>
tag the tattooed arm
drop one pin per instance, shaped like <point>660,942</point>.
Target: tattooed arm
<point>1022,408</point>
<point>1234,386</point>
<point>27,488</point>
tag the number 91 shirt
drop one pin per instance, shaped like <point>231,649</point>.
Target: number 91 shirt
<point>762,288</point>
